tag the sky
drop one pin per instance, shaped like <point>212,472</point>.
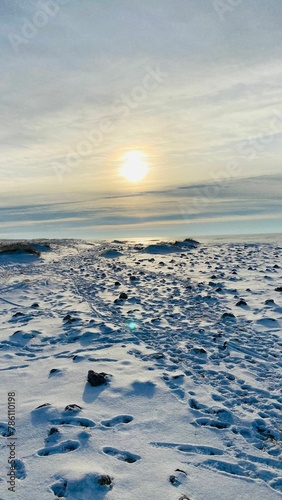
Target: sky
<point>192,86</point>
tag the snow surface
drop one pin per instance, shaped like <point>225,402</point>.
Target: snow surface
<point>192,408</point>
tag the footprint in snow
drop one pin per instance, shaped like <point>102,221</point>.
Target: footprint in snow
<point>174,382</point>
<point>190,448</point>
<point>90,485</point>
<point>124,456</point>
<point>54,436</point>
<point>5,430</point>
<point>120,419</point>
<point>77,421</point>
<point>19,469</point>
<point>178,478</point>
<point>63,447</point>
<point>210,422</point>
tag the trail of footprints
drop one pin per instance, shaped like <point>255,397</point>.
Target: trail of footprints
<point>234,418</point>
<point>179,361</point>
<point>56,444</point>
<point>235,463</point>
<point>231,460</point>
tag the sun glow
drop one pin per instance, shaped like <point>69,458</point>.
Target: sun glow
<point>134,167</point>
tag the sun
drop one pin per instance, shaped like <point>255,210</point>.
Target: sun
<point>135,166</point>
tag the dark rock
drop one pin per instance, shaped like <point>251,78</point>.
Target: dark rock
<point>73,407</point>
<point>184,497</point>
<point>35,305</point>
<point>241,302</point>
<point>52,431</point>
<point>69,319</point>
<point>54,370</point>
<point>132,278</point>
<point>154,355</point>
<point>123,295</point>
<point>95,379</point>
<point>155,320</point>
<point>269,302</point>
<point>17,314</point>
<point>180,470</point>
<point>15,333</point>
<point>199,350</point>
<point>278,289</point>
<point>105,480</point>
<point>43,406</point>
<point>228,316</point>
<point>117,283</point>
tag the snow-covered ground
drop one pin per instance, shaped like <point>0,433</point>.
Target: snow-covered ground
<point>192,404</point>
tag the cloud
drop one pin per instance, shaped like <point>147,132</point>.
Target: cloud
<point>256,199</point>
<point>218,102</point>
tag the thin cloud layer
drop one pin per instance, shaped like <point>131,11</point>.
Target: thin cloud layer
<point>197,85</point>
<point>200,209</point>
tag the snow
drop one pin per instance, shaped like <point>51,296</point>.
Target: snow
<point>192,403</point>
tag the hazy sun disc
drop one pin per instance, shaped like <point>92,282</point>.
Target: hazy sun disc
<point>134,167</point>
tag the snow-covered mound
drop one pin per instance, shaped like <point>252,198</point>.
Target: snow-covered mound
<point>111,254</point>
<point>161,248</point>
<point>23,247</point>
<point>166,248</point>
<point>21,252</point>
<point>187,243</point>
<point>142,376</point>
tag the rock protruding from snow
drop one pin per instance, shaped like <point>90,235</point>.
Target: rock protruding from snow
<point>95,379</point>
